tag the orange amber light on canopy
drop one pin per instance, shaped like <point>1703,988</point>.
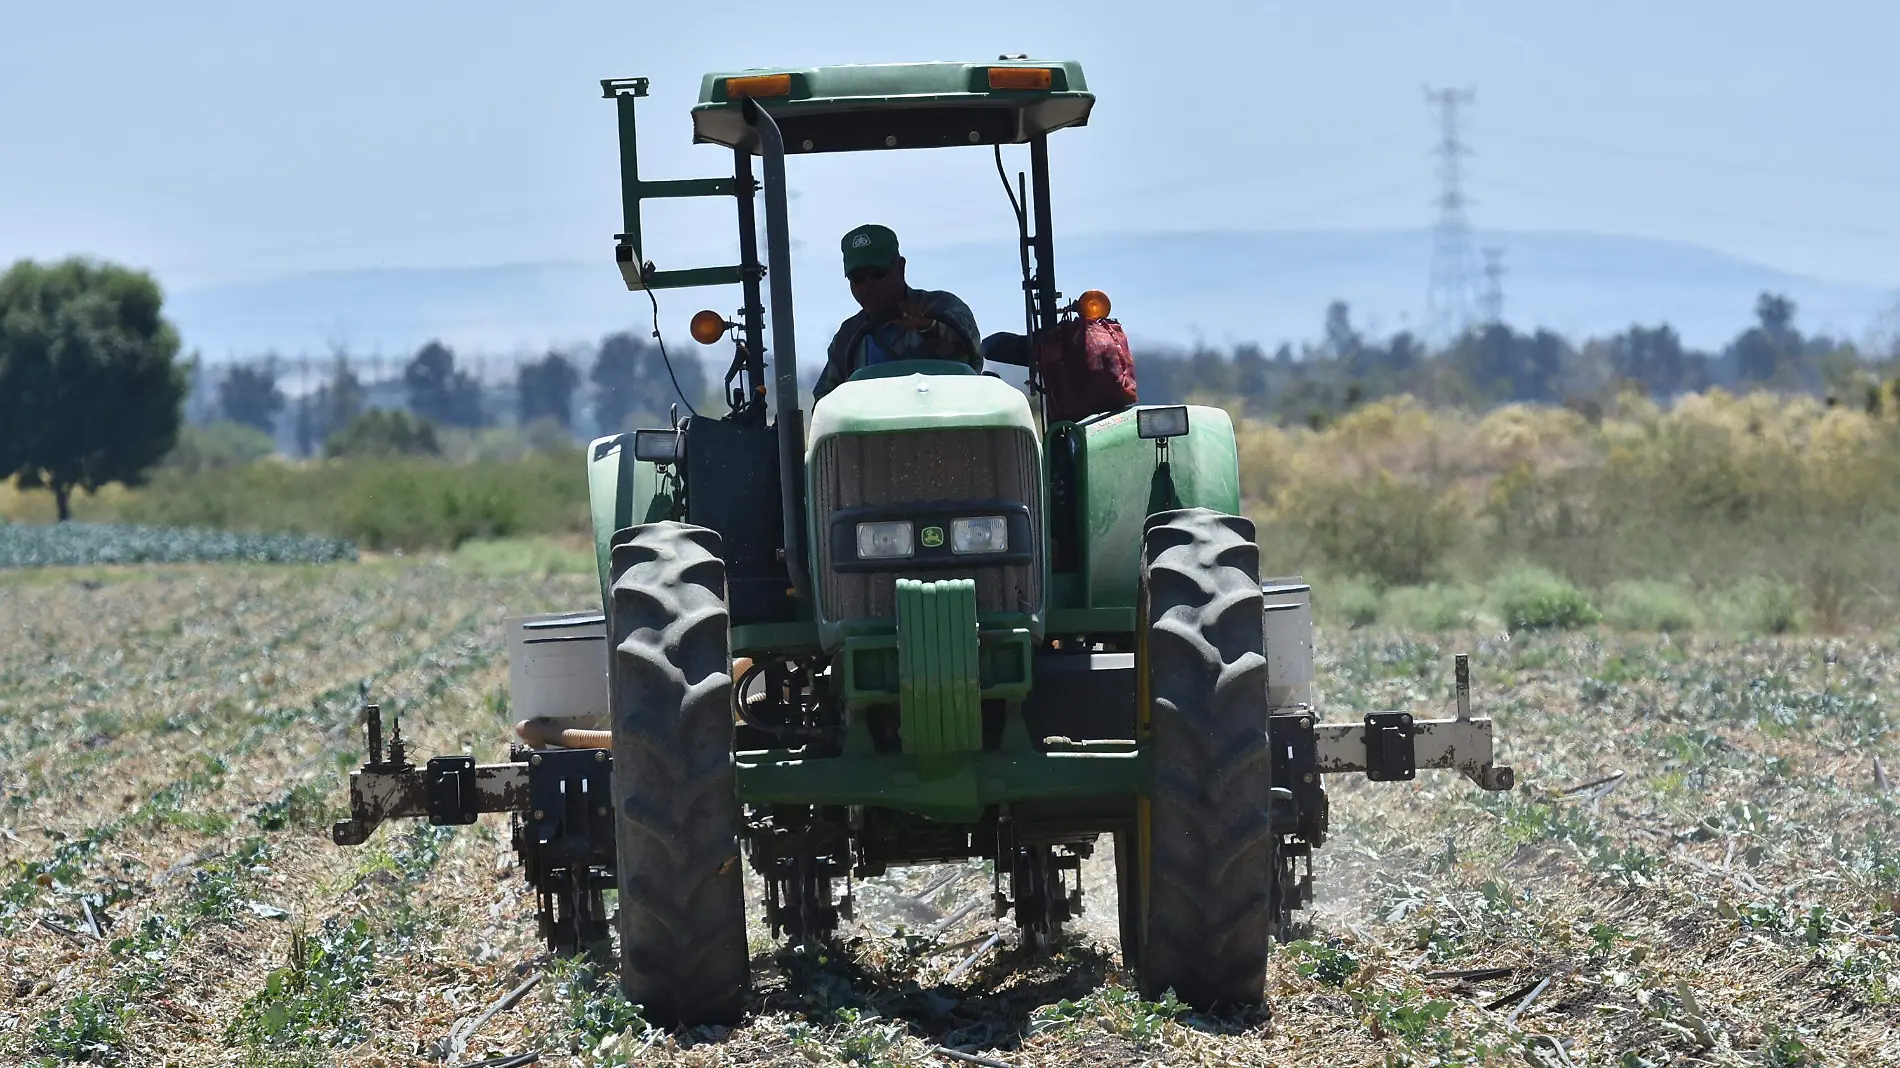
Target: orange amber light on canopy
<point>708,326</point>
<point>759,85</point>
<point>1020,78</point>
<point>1093,305</point>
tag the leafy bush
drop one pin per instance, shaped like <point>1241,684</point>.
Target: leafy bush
<point>1651,605</point>
<point>1531,598</point>
<point>1351,601</point>
<point>1762,605</point>
<point>80,544</point>
<point>383,432</point>
<point>1701,493</point>
<point>1437,607</point>
<point>1392,530</point>
<point>1719,456</point>
<point>221,444</point>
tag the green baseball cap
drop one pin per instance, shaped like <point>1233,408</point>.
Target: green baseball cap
<point>869,245</point>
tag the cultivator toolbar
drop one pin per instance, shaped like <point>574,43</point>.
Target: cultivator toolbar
<point>559,803</point>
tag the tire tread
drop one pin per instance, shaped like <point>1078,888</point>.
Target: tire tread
<point>1211,862</point>
<point>683,955</point>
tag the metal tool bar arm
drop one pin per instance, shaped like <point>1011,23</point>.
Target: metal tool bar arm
<point>1462,745</point>
<point>379,794</point>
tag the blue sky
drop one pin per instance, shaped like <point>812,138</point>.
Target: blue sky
<point>225,141</point>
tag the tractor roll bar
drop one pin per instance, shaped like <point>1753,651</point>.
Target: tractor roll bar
<point>778,272</point>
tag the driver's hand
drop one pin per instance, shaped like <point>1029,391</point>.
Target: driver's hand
<point>912,314</point>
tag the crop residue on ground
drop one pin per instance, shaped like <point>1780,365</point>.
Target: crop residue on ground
<point>1697,866</point>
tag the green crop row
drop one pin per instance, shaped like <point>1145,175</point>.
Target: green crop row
<point>68,544</point>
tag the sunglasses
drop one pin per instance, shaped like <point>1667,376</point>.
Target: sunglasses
<point>868,274</point>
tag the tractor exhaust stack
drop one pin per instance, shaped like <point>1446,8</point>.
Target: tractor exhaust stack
<point>778,273</point>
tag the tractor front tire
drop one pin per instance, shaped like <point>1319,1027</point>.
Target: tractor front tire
<point>683,955</point>
<point>1207,840</point>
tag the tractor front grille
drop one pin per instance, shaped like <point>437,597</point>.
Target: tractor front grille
<point>920,467</point>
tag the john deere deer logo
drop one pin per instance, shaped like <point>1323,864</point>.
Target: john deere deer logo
<point>933,537</point>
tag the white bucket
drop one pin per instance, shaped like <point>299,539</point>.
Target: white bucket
<point>557,665</point>
<point>1289,629</point>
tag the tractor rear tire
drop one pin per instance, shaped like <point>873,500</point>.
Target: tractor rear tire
<point>683,954</point>
<point>1208,842</point>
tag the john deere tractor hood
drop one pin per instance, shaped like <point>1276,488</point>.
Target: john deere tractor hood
<point>918,402</point>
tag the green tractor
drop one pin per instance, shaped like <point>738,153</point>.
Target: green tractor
<point>928,624</point>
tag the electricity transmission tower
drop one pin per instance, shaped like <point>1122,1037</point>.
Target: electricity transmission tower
<point>1493,286</point>
<point>1448,296</point>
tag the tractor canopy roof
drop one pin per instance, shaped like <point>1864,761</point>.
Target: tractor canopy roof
<point>895,105</point>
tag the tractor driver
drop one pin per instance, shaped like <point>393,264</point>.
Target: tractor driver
<point>897,322</point>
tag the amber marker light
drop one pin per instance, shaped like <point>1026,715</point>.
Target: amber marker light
<point>1020,78</point>
<point>708,326</point>
<point>759,85</point>
<point>1093,305</point>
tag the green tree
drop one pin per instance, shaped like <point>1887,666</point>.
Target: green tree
<point>441,391</point>
<point>1498,365</point>
<point>1211,373</point>
<point>1342,340</point>
<point>1252,379</point>
<point>249,395</point>
<point>1656,359</point>
<point>544,389</point>
<point>330,407</point>
<point>91,390</point>
<point>631,383</point>
<point>1769,352</point>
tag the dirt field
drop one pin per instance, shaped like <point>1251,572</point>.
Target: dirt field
<point>1696,868</point>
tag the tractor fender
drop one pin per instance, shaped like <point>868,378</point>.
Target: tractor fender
<point>1114,473</point>
<point>621,491</point>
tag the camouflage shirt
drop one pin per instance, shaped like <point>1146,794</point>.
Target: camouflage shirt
<point>953,336</point>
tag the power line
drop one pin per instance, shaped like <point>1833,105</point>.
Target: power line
<point>1709,166</point>
<point>1448,290</point>
<point>1794,228</point>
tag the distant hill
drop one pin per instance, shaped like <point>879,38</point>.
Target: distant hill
<point>1171,288</point>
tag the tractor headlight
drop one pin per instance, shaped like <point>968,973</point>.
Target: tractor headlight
<point>980,534</point>
<point>880,541</point>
